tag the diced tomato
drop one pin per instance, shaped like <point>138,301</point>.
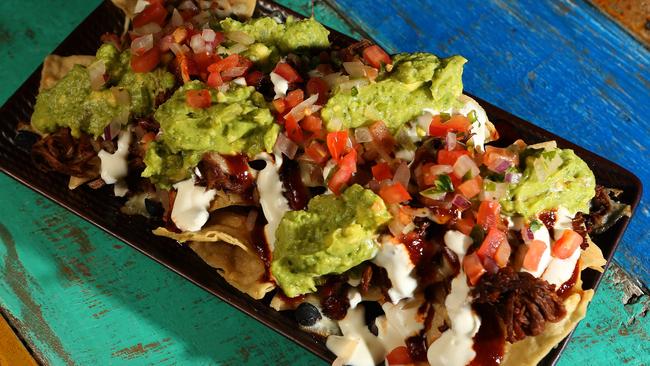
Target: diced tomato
<point>318,86</point>
<point>498,159</point>
<point>564,247</point>
<point>279,105</point>
<point>382,171</point>
<point>317,152</point>
<point>204,59</point>
<point>375,56</point>
<point>224,64</point>
<point>199,98</point>
<point>312,123</point>
<point>155,12</point>
<point>394,193</point>
<point>382,136</point>
<point>293,129</point>
<point>186,66</point>
<point>336,142</point>
<point>446,157</point>
<point>254,78</point>
<point>494,239</point>
<point>287,72</point>
<point>534,254</point>
<point>294,98</point>
<point>457,123</point>
<point>465,224</point>
<point>215,80</point>
<point>347,167</point>
<point>399,356</point>
<point>472,187</point>
<point>489,214</point>
<point>473,268</point>
<point>147,61</point>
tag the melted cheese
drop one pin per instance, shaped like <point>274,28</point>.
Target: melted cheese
<point>190,211</point>
<point>394,257</point>
<point>280,85</point>
<point>270,188</point>
<point>357,346</point>
<point>115,166</point>
<point>455,345</point>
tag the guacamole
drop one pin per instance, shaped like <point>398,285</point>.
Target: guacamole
<point>333,235</point>
<point>165,168</point>
<point>551,178</point>
<point>294,35</point>
<point>415,82</point>
<point>72,103</point>
<point>237,121</point>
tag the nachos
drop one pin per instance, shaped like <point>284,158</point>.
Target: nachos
<point>363,192</point>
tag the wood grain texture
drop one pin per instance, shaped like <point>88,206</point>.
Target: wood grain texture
<point>81,297</point>
<point>559,64</point>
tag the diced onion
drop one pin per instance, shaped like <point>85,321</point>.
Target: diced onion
<point>527,233</point>
<point>396,227</point>
<point>402,175</point>
<point>311,174</point>
<point>251,219</point>
<point>201,18</point>
<point>362,134</point>
<point>205,4</point>
<point>197,43</point>
<point>142,44</point>
<point>502,166</point>
<point>335,79</point>
<point>165,43</point>
<point>96,72</point>
<point>237,48</point>
<point>178,49</point>
<point>284,145</point>
<point>240,37</point>
<point>354,83</point>
<point>298,112</point>
<point>149,28</point>
<point>233,72</point>
<point>188,5</point>
<point>500,190</point>
<point>176,20</point>
<point>441,169</point>
<point>208,35</point>
<point>355,69</point>
<point>465,164</point>
<point>335,124</point>
<point>450,141</point>
<point>461,202</point>
<point>513,177</point>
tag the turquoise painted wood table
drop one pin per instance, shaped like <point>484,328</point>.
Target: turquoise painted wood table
<point>77,296</point>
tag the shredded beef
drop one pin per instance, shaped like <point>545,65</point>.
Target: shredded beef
<point>579,226</point>
<point>295,190</point>
<point>522,302</point>
<point>605,210</point>
<point>62,153</point>
<point>214,177</point>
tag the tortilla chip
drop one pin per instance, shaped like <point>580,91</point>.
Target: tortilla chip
<point>127,6</point>
<point>225,199</point>
<point>592,257</point>
<point>225,244</point>
<point>531,350</point>
<point>243,9</point>
<point>240,268</point>
<point>56,67</point>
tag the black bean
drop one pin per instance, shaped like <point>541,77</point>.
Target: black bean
<point>154,208</point>
<point>307,314</point>
<point>25,139</point>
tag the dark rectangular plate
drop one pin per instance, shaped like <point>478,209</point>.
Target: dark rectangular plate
<point>102,209</point>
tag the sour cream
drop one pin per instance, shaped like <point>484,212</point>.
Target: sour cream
<point>270,188</point>
<point>394,257</point>
<point>455,345</point>
<point>400,322</point>
<point>357,346</point>
<point>190,210</point>
<point>543,235</point>
<point>560,270</point>
<point>115,166</point>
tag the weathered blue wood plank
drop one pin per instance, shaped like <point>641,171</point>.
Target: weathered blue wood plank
<point>560,64</point>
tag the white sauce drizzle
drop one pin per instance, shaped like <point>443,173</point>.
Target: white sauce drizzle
<point>400,322</point>
<point>280,85</point>
<point>115,166</point>
<point>354,297</point>
<point>190,211</point>
<point>542,235</point>
<point>240,81</point>
<point>455,345</point>
<point>560,270</point>
<point>273,203</point>
<point>357,346</point>
<point>394,257</point>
